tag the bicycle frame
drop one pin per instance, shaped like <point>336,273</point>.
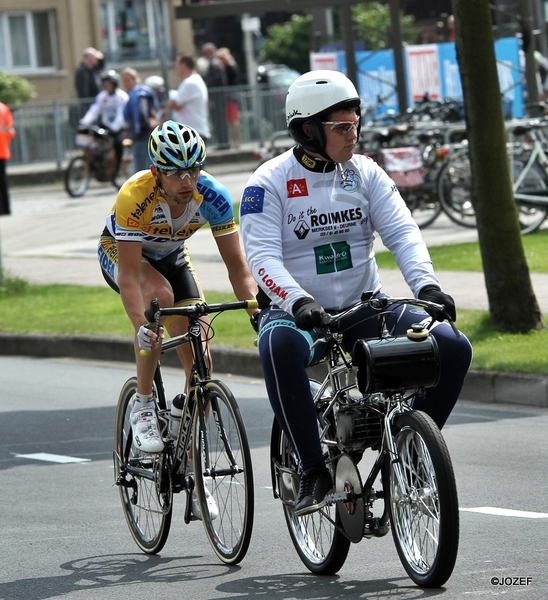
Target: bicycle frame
<point>537,156</point>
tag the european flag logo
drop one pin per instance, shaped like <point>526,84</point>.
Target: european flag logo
<point>252,200</point>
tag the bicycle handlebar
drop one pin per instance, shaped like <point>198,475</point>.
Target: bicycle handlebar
<point>383,303</point>
<point>154,312</point>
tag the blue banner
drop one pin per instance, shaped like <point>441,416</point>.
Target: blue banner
<point>432,69</point>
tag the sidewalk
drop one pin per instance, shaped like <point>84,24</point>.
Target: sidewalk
<point>43,259</point>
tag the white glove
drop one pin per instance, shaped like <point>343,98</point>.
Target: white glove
<point>143,338</point>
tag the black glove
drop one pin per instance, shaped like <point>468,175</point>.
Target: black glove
<point>254,320</point>
<point>308,313</point>
<point>432,293</point>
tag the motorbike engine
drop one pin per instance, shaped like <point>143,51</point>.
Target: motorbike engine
<point>359,424</point>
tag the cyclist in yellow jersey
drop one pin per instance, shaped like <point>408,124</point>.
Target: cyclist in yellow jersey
<point>143,255</point>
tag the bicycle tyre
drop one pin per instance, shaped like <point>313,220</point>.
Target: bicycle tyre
<point>424,508</point>
<point>77,177</point>
<point>531,216</point>
<point>455,190</point>
<point>147,502</point>
<point>424,208</point>
<point>219,437</point>
<point>317,537</point>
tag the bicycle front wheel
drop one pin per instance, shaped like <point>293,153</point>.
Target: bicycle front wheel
<point>530,216</point>
<point>143,481</point>
<point>317,537</point>
<point>77,177</point>
<point>222,466</point>
<point>423,501</point>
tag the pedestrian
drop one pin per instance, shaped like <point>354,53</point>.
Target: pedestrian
<point>108,111</point>
<point>87,79</point>
<point>143,255</point>
<point>190,104</point>
<point>216,82</point>
<point>157,84</point>
<point>232,111</point>
<point>309,218</point>
<point>140,114</point>
<point>7,133</point>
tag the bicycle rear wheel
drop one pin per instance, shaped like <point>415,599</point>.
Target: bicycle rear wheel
<point>77,177</point>
<point>224,466</point>
<point>455,189</point>
<point>317,537</point>
<point>423,500</point>
<point>143,481</point>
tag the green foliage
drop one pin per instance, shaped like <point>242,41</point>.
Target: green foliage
<point>289,43</point>
<point>467,257</point>
<point>15,90</point>
<point>372,25</point>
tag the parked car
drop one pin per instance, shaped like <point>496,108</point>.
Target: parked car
<point>276,79</point>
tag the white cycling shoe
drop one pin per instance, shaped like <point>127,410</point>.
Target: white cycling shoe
<point>144,426</point>
<point>211,505</point>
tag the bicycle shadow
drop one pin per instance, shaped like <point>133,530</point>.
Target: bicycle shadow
<point>99,573</point>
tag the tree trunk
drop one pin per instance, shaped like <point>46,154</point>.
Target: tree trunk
<point>512,302</point>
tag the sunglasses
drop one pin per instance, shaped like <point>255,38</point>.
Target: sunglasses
<point>343,127</point>
<point>191,172</point>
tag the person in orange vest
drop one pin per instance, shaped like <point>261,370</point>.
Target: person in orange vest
<point>7,133</point>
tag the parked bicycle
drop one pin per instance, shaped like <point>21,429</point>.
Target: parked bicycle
<point>363,404</point>
<point>413,160</point>
<point>529,170</point>
<point>209,433</point>
<point>96,159</point>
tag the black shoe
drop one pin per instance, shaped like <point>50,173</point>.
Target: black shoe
<point>314,486</point>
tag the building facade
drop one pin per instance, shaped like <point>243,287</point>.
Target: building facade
<point>42,40</point>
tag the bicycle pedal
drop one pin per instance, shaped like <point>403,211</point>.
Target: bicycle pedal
<point>375,528</point>
<point>337,497</point>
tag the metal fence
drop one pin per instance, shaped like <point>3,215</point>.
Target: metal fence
<point>46,130</point>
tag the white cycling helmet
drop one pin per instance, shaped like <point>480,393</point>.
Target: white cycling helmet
<point>174,146</point>
<point>155,82</point>
<point>310,98</point>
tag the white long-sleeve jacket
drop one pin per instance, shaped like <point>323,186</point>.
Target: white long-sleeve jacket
<point>308,228</point>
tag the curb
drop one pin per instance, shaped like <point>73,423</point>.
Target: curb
<point>484,386</point>
<point>43,173</point>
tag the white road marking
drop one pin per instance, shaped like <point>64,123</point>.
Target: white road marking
<point>506,512</point>
<point>56,458</point>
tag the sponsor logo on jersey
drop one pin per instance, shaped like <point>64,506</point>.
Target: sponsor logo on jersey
<point>270,284</point>
<point>140,207</point>
<point>341,216</point>
<point>217,200</point>
<point>252,200</point>
<point>308,162</point>
<point>350,181</point>
<point>332,258</point>
<point>297,188</point>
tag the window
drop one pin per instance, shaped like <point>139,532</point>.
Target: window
<point>135,29</point>
<point>27,41</point>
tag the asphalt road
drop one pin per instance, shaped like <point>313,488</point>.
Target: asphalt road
<point>64,536</point>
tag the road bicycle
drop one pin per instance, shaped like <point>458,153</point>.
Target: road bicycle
<point>529,170</point>
<point>210,434</point>
<point>364,404</point>
<point>96,159</point>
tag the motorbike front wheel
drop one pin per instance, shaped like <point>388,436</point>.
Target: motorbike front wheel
<point>422,496</point>
<point>77,177</point>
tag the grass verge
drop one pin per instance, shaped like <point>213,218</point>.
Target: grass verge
<point>78,310</point>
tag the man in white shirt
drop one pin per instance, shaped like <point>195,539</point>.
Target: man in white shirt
<point>190,106</point>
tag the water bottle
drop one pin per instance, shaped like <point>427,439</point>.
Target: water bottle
<point>175,415</point>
